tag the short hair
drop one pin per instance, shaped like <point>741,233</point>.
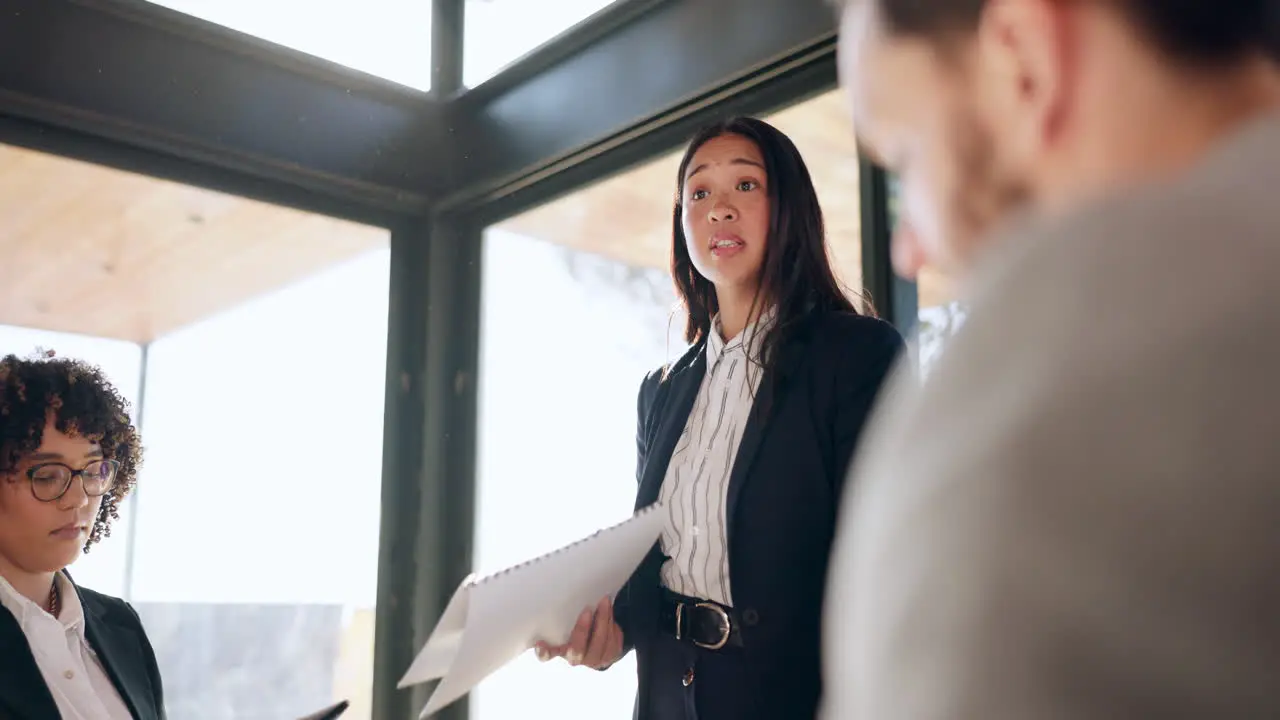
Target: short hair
<point>1193,32</point>
<point>83,403</point>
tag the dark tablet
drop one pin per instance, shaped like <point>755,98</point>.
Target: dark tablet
<point>330,713</point>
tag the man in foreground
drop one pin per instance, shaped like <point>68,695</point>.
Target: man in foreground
<point>1078,514</point>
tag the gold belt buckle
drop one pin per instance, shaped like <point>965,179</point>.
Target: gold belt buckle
<point>725,625</point>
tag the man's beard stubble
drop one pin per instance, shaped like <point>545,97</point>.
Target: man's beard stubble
<point>987,194</point>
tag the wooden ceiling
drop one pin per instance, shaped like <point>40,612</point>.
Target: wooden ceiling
<point>97,251</point>
<point>627,217</point>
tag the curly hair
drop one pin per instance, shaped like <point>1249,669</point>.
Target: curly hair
<point>84,404</point>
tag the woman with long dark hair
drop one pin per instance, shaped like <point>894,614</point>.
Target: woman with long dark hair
<point>745,440</point>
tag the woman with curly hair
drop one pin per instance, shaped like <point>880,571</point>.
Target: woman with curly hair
<point>69,454</point>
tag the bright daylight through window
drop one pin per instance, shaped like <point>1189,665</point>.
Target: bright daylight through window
<point>249,547</point>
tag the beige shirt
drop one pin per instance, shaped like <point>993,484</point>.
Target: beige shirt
<point>1077,517</point>
<point>695,491</point>
<point>71,669</point>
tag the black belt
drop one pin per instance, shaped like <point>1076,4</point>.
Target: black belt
<point>708,625</point>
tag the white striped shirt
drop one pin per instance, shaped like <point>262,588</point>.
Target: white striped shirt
<point>696,487</point>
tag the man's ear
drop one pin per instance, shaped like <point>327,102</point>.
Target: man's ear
<point>1026,61</point>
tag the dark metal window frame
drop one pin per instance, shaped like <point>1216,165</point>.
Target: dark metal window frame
<point>132,85</point>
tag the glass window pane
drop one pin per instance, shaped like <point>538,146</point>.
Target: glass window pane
<point>587,275</point>
<point>257,535</point>
<point>390,39</point>
<point>499,32</point>
<point>253,550</point>
<point>823,132</point>
<point>939,315</point>
<point>606,320</point>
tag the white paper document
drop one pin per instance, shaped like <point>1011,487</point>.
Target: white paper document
<point>492,620</point>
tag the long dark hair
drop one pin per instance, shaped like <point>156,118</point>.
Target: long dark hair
<point>795,275</point>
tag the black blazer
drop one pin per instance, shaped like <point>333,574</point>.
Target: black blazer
<point>783,496</point>
<point>114,632</point>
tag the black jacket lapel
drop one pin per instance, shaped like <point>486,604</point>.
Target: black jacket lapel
<point>23,693</point>
<point>120,653</point>
<point>672,416</point>
<point>757,420</point>
<point>770,394</point>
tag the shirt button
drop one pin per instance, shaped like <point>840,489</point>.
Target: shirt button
<point>687,680</point>
<point>695,530</point>
<point>68,674</point>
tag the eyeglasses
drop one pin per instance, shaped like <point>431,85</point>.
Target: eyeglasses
<point>50,481</point>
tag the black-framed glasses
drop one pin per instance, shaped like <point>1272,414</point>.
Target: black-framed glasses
<point>50,481</point>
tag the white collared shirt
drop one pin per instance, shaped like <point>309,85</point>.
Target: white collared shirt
<point>70,667</point>
<point>695,490</point>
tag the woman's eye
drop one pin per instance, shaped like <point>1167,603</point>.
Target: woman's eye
<point>748,185</point>
<point>698,194</point>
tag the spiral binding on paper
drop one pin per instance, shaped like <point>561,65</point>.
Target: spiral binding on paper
<point>639,514</point>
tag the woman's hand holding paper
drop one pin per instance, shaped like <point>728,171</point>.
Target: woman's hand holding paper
<point>596,640</point>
